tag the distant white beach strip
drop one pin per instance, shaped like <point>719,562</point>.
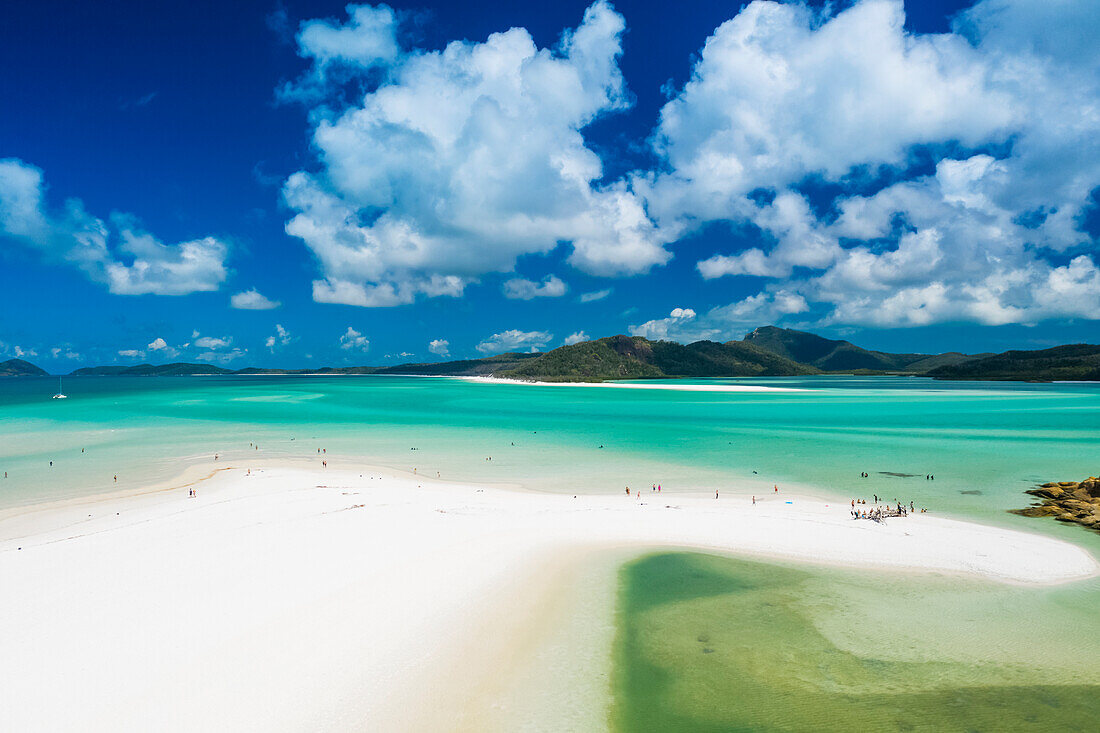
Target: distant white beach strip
<point>671,385</point>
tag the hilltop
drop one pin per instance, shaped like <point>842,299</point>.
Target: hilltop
<point>635,357</point>
<point>1069,363</point>
<point>20,368</point>
<point>151,370</point>
<point>843,356</point>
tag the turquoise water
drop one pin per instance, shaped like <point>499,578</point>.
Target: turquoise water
<point>894,652</point>
<point>991,441</point>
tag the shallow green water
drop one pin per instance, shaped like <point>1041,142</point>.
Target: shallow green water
<point>714,644</point>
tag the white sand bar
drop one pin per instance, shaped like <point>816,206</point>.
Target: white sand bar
<point>296,599</point>
<point>671,384</point>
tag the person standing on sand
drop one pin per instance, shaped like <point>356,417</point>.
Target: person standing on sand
<point>777,488</point>
<point>716,493</point>
<point>754,500</point>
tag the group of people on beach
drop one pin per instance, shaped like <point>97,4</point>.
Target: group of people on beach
<point>656,489</point>
<point>878,513</point>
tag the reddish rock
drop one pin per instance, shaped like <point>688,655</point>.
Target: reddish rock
<point>1076,502</point>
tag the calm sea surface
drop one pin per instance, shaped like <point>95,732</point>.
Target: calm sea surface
<point>984,442</point>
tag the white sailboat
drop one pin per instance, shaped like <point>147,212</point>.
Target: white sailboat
<point>60,395</point>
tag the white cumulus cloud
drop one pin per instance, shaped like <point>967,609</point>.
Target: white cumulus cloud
<point>680,321</point>
<point>281,337</point>
<point>724,322</point>
<point>515,340</point>
<point>63,352</point>
<point>440,347</point>
<point>576,338</point>
<point>1004,105</point>
<point>594,295</point>
<point>10,350</point>
<point>456,162</point>
<point>160,347</point>
<point>222,357</point>
<point>213,342</point>
<point>352,340</point>
<point>252,300</point>
<point>117,253</point>
<point>522,289</point>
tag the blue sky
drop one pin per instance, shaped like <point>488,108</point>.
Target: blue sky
<point>314,183</point>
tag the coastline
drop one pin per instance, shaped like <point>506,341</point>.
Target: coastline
<point>297,597</point>
<point>627,385</point>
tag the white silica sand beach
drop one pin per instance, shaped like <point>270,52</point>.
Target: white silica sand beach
<point>668,384</point>
<point>284,598</point>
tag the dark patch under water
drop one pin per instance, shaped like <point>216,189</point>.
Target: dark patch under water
<point>971,492</point>
<point>712,644</point>
<point>899,475</point>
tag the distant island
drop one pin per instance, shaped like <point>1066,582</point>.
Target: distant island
<point>767,351</point>
<point>20,368</point>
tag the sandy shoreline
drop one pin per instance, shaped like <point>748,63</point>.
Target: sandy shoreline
<point>296,598</point>
<point>671,385</point>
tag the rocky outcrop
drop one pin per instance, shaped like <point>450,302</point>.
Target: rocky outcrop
<point>1068,501</point>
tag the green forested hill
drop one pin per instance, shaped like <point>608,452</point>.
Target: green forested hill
<point>20,368</point>
<point>831,355</point>
<point>1073,362</point>
<point>635,357</point>
<point>152,370</point>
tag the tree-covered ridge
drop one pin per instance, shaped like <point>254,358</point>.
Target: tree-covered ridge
<point>20,368</point>
<point>635,357</point>
<point>178,369</point>
<point>1062,363</point>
